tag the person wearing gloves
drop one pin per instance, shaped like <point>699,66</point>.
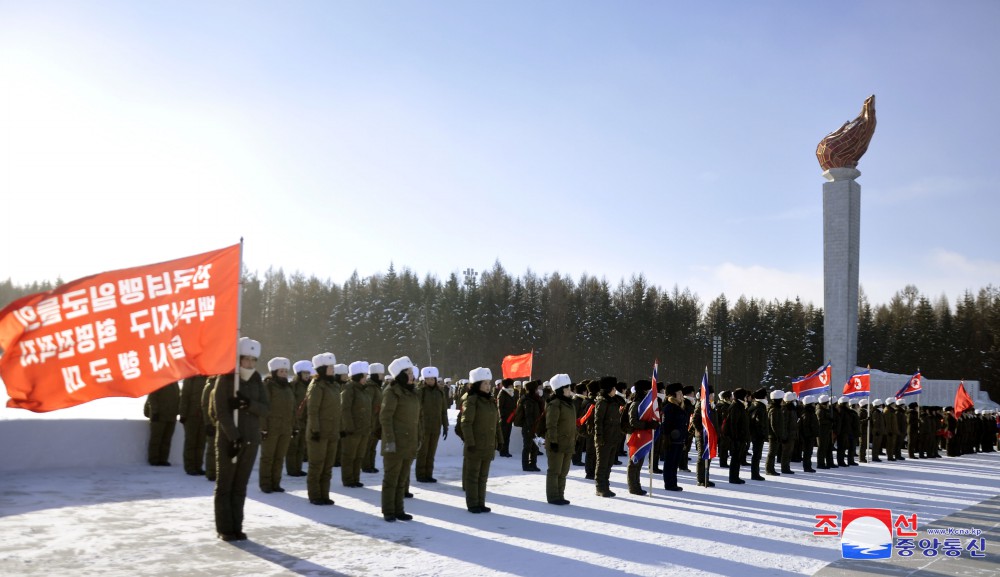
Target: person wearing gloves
<point>276,429</point>
<point>530,406</point>
<point>479,429</point>
<point>560,437</point>
<point>400,420</point>
<point>433,422</point>
<point>322,427</point>
<point>356,419</point>
<point>297,446</point>
<point>824,451</point>
<point>878,430</point>
<point>636,423</point>
<point>376,373</point>
<point>237,439</point>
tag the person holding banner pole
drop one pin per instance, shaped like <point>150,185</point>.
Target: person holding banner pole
<point>239,405</point>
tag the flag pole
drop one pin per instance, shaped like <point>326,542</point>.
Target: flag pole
<point>868,436</point>
<point>239,321</point>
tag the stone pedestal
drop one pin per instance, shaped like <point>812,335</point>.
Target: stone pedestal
<point>841,250</point>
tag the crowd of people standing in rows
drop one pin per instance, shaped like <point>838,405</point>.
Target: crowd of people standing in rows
<point>328,414</point>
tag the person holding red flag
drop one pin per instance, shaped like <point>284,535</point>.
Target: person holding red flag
<point>237,439</point>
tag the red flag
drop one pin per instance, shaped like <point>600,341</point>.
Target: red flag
<point>963,402</point>
<point>122,333</point>
<point>515,366</point>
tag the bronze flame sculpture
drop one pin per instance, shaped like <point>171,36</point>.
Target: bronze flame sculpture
<point>843,147</point>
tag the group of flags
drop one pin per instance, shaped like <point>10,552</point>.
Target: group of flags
<point>129,332</point>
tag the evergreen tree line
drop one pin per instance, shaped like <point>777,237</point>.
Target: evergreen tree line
<point>589,328</point>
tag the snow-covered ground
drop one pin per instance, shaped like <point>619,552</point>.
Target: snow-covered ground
<point>77,498</point>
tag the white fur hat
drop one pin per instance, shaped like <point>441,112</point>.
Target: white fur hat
<point>324,360</point>
<point>447,380</point>
<point>376,369</point>
<point>429,373</point>
<point>824,398</point>
<point>278,363</point>
<point>302,367</point>
<point>808,400</point>
<point>890,400</point>
<point>399,365</point>
<point>480,374</point>
<point>340,369</point>
<point>249,348</point>
<point>900,403</point>
<point>777,395</point>
<point>358,368</point>
<point>518,383</point>
<point>789,397</point>
<point>498,382</point>
<point>863,402</point>
<point>877,403</point>
<point>842,401</point>
<point>559,381</point>
<point>852,401</point>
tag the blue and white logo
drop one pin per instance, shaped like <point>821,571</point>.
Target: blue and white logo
<point>866,536</point>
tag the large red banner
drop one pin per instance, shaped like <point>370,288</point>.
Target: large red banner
<point>122,333</point>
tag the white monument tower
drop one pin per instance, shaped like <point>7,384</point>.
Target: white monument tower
<point>838,155</point>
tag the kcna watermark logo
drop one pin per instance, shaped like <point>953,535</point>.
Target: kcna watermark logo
<point>876,533</point>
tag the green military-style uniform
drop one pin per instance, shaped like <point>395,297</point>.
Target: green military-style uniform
<point>607,428</point>
<point>236,440</point>
<point>210,421</point>
<point>824,454</point>
<point>790,432</point>
<point>560,442</point>
<point>193,420</point>
<point>356,421</point>
<point>368,464</point>
<point>276,430</point>
<point>163,406</point>
<point>433,424</point>
<point>865,420</point>
<point>297,445</point>
<point>323,433</point>
<point>737,431</point>
<point>775,435</point>
<point>400,420</point>
<point>878,433</point>
<point>480,418</point>
<point>808,432</point>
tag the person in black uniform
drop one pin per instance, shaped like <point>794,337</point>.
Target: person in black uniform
<point>673,428</point>
<point>239,412</point>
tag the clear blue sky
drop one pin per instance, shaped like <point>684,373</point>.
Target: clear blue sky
<point>668,138</point>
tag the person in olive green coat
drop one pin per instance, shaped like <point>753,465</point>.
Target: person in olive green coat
<point>635,423</point>
<point>808,432</point>
<point>276,429</point>
<point>480,419</point>
<point>400,420</point>
<point>376,373</point>
<point>162,407</point>
<point>356,421</point>
<point>210,421</point>
<point>433,422</point>
<point>775,432</point>
<point>322,428</point>
<point>560,438</point>
<point>737,430</point>
<point>238,438</point>
<point>297,445</point>
<point>194,424</point>
<point>790,428</point>
<point>607,428</point>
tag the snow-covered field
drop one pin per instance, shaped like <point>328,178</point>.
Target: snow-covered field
<point>85,503</point>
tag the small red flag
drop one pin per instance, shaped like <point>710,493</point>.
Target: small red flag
<point>517,366</point>
<point>963,402</point>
